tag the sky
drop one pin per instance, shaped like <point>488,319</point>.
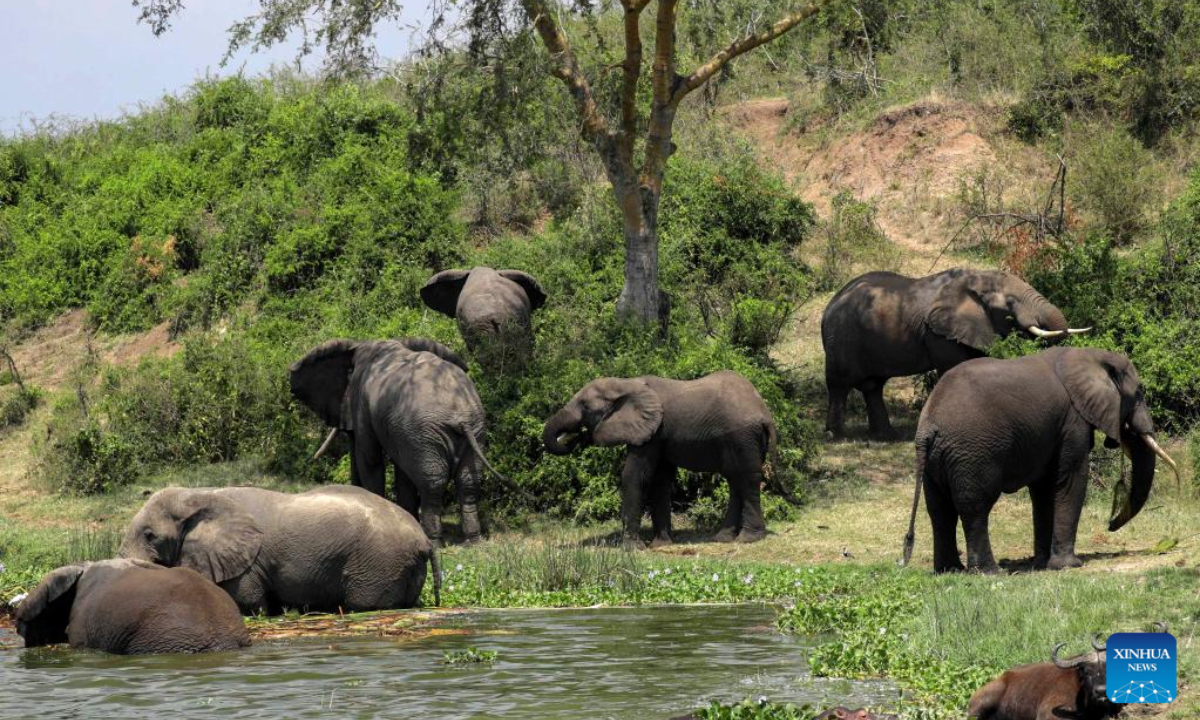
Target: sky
<point>91,59</point>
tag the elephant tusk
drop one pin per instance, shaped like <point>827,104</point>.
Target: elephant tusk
<point>1166,458</point>
<point>325,445</point>
<point>1078,331</point>
<point>566,438</point>
<point>1039,332</point>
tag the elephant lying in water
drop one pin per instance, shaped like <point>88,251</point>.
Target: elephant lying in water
<point>717,423</point>
<point>333,548</point>
<point>996,426</point>
<point>129,607</point>
<point>883,325</point>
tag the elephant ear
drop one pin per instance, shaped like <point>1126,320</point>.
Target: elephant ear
<point>220,539</point>
<point>533,290</point>
<point>633,417</point>
<point>1092,384</point>
<point>441,291</point>
<point>958,313</point>
<point>42,617</point>
<point>320,378</point>
<point>432,346</point>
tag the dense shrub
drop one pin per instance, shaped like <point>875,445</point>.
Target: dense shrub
<point>1145,303</point>
<point>330,234</point>
<point>1116,181</point>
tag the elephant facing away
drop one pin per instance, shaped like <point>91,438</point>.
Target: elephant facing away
<point>129,607</point>
<point>332,548</point>
<point>493,309</point>
<point>883,325</point>
<point>717,423</point>
<point>996,426</point>
<point>409,401</point>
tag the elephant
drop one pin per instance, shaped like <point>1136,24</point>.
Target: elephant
<point>332,548</point>
<point>883,325</point>
<point>130,607</point>
<point>717,423</point>
<point>995,426</point>
<point>1073,688</point>
<point>493,309</point>
<point>409,401</point>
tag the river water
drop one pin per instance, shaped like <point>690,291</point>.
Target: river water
<point>619,663</point>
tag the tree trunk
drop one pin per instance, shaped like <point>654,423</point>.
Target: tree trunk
<point>639,297</point>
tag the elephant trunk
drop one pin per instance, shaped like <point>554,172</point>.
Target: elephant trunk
<point>1040,318</point>
<point>562,430</point>
<point>1129,500</point>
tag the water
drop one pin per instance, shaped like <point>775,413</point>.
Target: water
<point>652,662</point>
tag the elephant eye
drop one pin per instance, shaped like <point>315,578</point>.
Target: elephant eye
<point>148,534</point>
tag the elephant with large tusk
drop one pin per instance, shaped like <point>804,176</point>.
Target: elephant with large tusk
<point>883,325</point>
<point>996,426</point>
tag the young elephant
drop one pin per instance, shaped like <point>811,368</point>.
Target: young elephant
<point>128,607</point>
<point>409,401</point>
<point>333,548</point>
<point>1072,688</point>
<point>883,325</point>
<point>996,426</point>
<point>492,308</point>
<point>717,423</point>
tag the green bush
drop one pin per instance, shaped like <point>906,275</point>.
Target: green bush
<point>16,403</point>
<point>1116,180</point>
<point>1144,303</point>
<point>854,243</point>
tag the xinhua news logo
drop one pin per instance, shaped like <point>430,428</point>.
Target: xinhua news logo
<point>1141,668</point>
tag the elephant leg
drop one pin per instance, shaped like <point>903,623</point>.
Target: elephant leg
<point>640,465</point>
<point>877,415</point>
<point>660,504</point>
<point>468,482</point>
<point>405,492</point>
<point>370,464</point>
<point>943,516</point>
<point>979,544</point>
<point>754,526</point>
<point>1068,505</point>
<point>733,514</point>
<point>431,513</point>
<point>835,420</point>
<point>1042,494</point>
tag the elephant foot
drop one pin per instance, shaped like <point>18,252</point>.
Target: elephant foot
<point>633,543</point>
<point>473,539</point>
<point>991,569</point>
<point>1040,562</point>
<point>1062,562</point>
<point>661,542</point>
<point>725,535</point>
<point>751,536</point>
<point>955,567</point>
<point>887,434</point>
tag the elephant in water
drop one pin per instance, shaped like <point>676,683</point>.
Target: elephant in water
<point>883,325</point>
<point>493,309</point>
<point>996,426</point>
<point>409,401</point>
<point>329,549</point>
<point>129,607</point>
<point>717,423</point>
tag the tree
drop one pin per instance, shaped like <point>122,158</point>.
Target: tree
<point>633,149</point>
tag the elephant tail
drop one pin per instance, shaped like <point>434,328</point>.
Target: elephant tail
<point>435,567</point>
<point>924,443</point>
<point>466,431</point>
<point>771,462</point>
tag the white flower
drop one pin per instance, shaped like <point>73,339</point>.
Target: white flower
<point>762,700</point>
<point>458,567</point>
<point>716,577</point>
<point>16,600</point>
<point>667,571</point>
<point>748,579</point>
<point>796,584</point>
<point>883,631</point>
<point>2,568</point>
<point>450,588</point>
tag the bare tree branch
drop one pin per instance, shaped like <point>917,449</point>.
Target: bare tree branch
<point>742,46</point>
